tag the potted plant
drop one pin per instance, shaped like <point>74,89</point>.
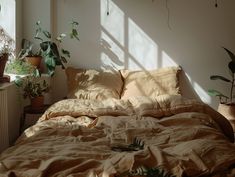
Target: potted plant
<point>50,48</point>
<point>33,88</point>
<point>30,54</point>
<point>19,67</point>
<point>6,49</point>
<point>227,104</point>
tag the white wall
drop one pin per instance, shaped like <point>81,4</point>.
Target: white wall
<point>136,35</point>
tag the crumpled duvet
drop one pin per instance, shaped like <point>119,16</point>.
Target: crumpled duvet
<point>74,139</point>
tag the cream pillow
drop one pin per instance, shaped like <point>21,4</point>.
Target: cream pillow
<point>93,84</point>
<point>151,83</point>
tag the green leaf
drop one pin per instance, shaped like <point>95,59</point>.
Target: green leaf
<point>65,52</point>
<point>74,34</point>
<point>36,73</point>
<point>213,92</point>
<point>18,81</point>
<point>74,23</point>
<point>36,37</point>
<point>62,35</point>
<point>63,59</point>
<point>44,45</point>
<point>47,34</point>
<point>59,39</point>
<point>38,22</point>
<point>231,54</point>
<point>231,66</point>
<point>216,77</point>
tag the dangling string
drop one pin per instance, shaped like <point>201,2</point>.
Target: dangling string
<point>107,7</point>
<point>168,15</point>
<point>216,4</point>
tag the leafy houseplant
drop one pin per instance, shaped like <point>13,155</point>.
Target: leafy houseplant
<point>227,105</point>
<point>6,49</point>
<point>231,66</point>
<point>50,48</point>
<point>19,67</point>
<point>30,54</point>
<point>33,88</point>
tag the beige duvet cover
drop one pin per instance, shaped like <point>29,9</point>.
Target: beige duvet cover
<point>74,139</point>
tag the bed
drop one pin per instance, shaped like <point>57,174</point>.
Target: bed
<point>151,131</point>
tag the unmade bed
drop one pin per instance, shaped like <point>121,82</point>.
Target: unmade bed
<point>133,136</point>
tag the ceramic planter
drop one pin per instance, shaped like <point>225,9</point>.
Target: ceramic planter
<point>35,61</point>
<point>3,61</point>
<point>228,111</point>
<point>37,102</point>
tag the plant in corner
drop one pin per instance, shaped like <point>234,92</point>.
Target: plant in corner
<point>51,49</point>
<point>227,105</point>
<point>224,99</point>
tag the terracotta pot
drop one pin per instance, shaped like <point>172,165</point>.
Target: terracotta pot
<point>35,61</point>
<point>228,111</point>
<point>37,102</point>
<point>3,61</point>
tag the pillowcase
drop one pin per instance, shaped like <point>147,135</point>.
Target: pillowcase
<point>151,83</point>
<point>93,84</point>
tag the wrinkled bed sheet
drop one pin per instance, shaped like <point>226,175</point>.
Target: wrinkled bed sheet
<point>74,138</point>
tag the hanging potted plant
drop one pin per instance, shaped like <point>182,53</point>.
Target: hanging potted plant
<point>6,49</point>
<point>227,104</point>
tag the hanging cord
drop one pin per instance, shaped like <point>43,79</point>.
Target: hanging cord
<point>216,3</point>
<point>168,15</point>
<point>107,7</point>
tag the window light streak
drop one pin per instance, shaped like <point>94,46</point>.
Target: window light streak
<point>167,60</point>
<point>141,46</point>
<point>199,90</point>
<point>114,22</point>
<point>130,47</point>
<point>112,53</point>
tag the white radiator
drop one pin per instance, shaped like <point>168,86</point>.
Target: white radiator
<point>4,139</point>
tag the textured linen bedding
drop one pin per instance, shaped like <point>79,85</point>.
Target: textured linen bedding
<point>74,138</point>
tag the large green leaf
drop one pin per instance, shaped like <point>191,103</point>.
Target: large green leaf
<point>36,37</point>
<point>231,54</point>
<point>65,52</point>
<point>213,92</point>
<point>63,59</point>
<point>18,81</point>
<point>55,53</point>
<point>47,34</point>
<point>231,66</point>
<point>217,77</point>
<point>44,45</point>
